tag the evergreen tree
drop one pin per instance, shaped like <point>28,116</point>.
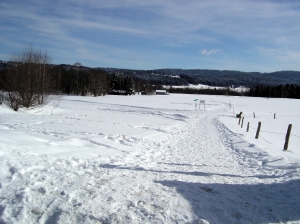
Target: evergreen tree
<point>291,93</point>
<point>279,91</point>
<point>114,83</point>
<point>129,86</point>
<point>297,92</point>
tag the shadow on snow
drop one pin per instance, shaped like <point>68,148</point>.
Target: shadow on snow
<point>235,203</point>
<point>238,203</point>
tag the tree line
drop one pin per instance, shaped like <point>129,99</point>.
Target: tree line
<point>77,80</point>
<point>279,91</point>
<point>206,91</point>
<point>29,79</point>
<point>219,78</point>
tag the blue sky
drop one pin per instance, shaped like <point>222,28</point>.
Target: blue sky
<point>245,35</point>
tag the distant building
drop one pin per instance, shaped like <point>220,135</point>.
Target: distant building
<point>161,92</point>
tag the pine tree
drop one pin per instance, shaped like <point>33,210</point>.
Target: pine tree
<point>114,83</point>
<point>297,92</point>
<point>129,86</point>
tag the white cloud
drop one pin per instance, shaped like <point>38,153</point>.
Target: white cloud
<point>99,29</point>
<point>210,52</point>
<point>280,55</point>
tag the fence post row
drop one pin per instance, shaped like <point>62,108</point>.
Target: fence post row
<point>258,130</point>
<point>287,137</point>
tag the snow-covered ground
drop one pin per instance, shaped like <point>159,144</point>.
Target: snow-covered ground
<point>239,89</point>
<point>150,159</point>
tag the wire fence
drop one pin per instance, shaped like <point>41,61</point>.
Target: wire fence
<point>259,131</point>
<point>274,132</point>
<point>262,136</point>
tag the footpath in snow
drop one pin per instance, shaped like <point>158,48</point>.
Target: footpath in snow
<point>195,174</point>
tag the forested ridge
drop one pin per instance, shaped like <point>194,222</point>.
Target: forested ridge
<point>212,77</point>
<point>177,77</point>
<point>30,79</point>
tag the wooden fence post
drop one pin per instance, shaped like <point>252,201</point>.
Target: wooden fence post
<point>242,122</point>
<point>248,127</point>
<point>258,130</point>
<point>253,114</point>
<point>274,115</point>
<point>287,137</point>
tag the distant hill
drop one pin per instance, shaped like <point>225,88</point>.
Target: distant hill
<point>177,77</point>
<point>211,77</point>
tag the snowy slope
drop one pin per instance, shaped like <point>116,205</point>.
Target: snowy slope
<point>150,159</point>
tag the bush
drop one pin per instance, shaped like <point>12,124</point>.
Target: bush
<point>26,81</point>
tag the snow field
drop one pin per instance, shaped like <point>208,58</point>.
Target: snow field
<point>146,159</point>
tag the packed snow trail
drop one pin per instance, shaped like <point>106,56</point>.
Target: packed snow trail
<point>196,175</point>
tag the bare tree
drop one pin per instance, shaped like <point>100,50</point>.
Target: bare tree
<point>148,88</point>
<point>1,98</point>
<point>99,82</point>
<point>77,67</point>
<point>27,82</point>
<point>138,86</point>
